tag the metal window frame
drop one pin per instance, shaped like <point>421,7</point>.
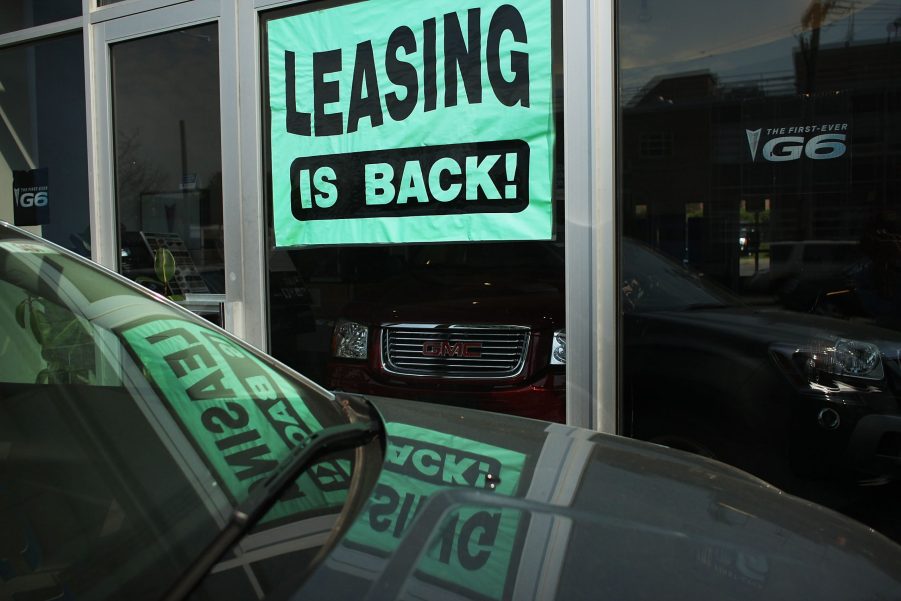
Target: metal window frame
<point>590,184</point>
<point>589,165</point>
<point>145,19</point>
<point>589,139</point>
<point>38,33</point>
<point>47,30</point>
<point>125,8</point>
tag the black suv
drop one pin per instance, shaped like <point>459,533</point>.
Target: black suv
<point>762,389</point>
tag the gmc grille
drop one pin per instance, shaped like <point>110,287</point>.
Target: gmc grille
<point>454,351</point>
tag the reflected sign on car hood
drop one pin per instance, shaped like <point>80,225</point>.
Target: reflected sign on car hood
<point>241,414</point>
<point>474,546</point>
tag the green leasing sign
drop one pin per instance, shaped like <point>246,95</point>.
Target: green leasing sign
<point>242,415</point>
<point>407,121</point>
<point>473,547</point>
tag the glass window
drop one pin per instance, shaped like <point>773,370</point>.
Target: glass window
<point>43,140</point>
<point>21,14</point>
<point>761,239</point>
<point>406,288</point>
<point>168,160</point>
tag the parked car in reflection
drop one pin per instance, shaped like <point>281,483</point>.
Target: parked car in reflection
<point>861,292</point>
<point>800,261</point>
<point>148,454</point>
<point>780,394</point>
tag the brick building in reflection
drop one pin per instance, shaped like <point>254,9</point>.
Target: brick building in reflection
<point>691,161</point>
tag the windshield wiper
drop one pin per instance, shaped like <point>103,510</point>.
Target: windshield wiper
<point>264,496</point>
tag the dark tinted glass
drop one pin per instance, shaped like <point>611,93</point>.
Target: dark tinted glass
<point>759,155</point>
<point>43,140</point>
<point>168,160</point>
<point>21,14</point>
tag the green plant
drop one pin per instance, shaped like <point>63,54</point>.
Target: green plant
<point>164,267</point>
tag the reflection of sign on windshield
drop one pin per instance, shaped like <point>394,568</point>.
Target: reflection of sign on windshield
<point>473,550</point>
<point>405,122</point>
<point>243,415</point>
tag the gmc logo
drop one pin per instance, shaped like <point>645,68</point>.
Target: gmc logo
<point>446,348</point>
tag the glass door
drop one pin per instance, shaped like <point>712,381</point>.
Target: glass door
<point>162,94</point>
<point>168,175</point>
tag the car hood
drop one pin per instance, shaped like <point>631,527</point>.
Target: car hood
<point>454,296</point>
<point>474,505</point>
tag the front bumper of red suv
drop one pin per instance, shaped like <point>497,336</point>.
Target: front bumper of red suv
<point>542,398</point>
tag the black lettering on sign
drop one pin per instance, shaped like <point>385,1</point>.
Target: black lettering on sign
<point>391,511</point>
<point>233,417</point>
<point>368,104</point>
<point>382,506</point>
<point>295,122</point>
<point>474,542</point>
<point>186,359</point>
<point>515,91</point>
<point>194,359</point>
<point>255,461</point>
<point>463,54</point>
<point>438,464</point>
<point>401,73</point>
<point>210,387</point>
<point>430,69</point>
<point>461,57</point>
<point>179,332</point>
<point>447,539</point>
<point>330,476</point>
<point>326,92</point>
<point>477,536</point>
<point>259,385</point>
<point>481,177</point>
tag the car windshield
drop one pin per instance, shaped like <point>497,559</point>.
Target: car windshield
<point>130,430</point>
<point>654,283</point>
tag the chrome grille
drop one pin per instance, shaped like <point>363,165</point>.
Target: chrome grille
<point>454,351</point>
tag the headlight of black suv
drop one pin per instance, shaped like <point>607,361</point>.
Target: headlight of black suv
<point>833,365</point>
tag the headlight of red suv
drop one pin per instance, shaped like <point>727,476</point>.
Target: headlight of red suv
<point>350,340</point>
<point>558,348</point>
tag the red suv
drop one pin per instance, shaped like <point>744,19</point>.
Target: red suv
<point>474,325</point>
